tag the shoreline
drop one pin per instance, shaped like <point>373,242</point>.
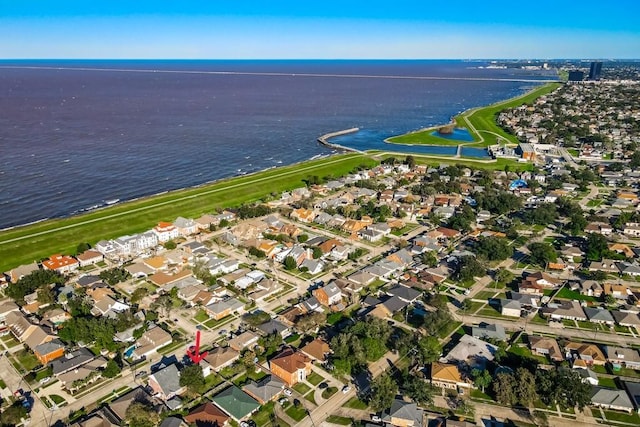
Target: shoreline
<point>27,243</point>
<point>464,116</point>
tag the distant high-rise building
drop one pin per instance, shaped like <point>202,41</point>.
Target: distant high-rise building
<point>576,76</point>
<point>595,71</point>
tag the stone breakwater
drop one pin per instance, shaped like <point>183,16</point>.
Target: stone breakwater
<point>324,139</point>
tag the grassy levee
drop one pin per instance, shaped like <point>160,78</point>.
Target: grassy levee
<point>36,241</point>
<point>481,123</point>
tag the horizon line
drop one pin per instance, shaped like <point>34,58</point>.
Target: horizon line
<point>323,59</point>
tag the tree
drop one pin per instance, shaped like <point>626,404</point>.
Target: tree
<point>462,220</point>
<point>383,391</point>
<point>525,387</point>
<point>481,378</point>
<point>201,270</point>
<point>434,321</point>
<point>170,245</point>
<point>542,253</point>
<point>543,214</point>
<point>271,343</point>
<point>410,161</point>
<point>139,414</point>
<point>610,299</point>
<point>303,238</point>
<point>31,282</point>
<point>256,318</point>
<point>111,370</point>
<point>290,263</point>
<point>114,276</point>
<point>164,303</point>
<point>417,389</point>
<point>256,252</point>
<point>493,248</point>
<point>191,377</point>
<point>138,294</point>
<point>430,259</point>
<point>577,224</point>
<point>82,247</point>
<point>504,389</point>
<point>563,387</point>
<point>597,245</point>
<point>310,321</point>
<point>504,276</point>
<point>13,414</point>
<point>467,268</point>
<point>46,295</point>
<point>317,252</point>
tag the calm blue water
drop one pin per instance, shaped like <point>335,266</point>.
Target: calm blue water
<point>72,138</point>
<point>458,134</point>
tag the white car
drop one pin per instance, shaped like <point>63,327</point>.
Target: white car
<point>45,380</point>
<point>287,392</point>
<point>376,418</point>
<point>346,389</point>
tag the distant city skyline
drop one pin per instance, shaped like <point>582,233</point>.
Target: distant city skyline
<point>328,30</point>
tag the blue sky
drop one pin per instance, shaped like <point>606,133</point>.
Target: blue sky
<point>323,29</point>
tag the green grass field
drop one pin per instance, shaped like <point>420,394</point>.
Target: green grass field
<point>36,241</point>
<point>482,119</point>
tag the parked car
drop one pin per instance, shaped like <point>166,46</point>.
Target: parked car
<point>45,380</point>
<point>287,392</point>
<point>346,389</point>
<point>283,401</point>
<point>376,418</point>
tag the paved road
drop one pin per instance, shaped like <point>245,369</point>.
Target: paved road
<point>593,193</point>
<point>529,327</point>
<point>337,400</point>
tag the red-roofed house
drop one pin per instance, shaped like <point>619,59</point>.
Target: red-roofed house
<point>165,231</point>
<point>61,263</point>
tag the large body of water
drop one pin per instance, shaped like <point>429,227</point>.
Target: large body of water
<point>74,134</point>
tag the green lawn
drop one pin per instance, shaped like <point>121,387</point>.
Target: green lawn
<point>2,384</point>
<point>201,316</point>
<point>336,419</point>
<point>264,415</point>
<point>27,359</point>
<point>448,329</point>
<point>483,119</point>
<point>607,382</point>
<point>213,323</point>
<point>311,397</point>
<point>10,341</point>
<point>58,400</point>
<point>485,294</point>
<point>328,392</point>
<point>355,403</point>
<point>302,388</point>
<point>315,378</point>
<point>523,351</point>
<point>567,293</point>
<point>473,306</point>
<point>632,419</point>
<point>588,325</point>
<point>36,241</point>
<point>297,413</point>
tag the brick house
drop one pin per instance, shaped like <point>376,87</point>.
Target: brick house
<point>290,366</point>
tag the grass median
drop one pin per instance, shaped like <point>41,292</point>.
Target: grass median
<point>25,244</point>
